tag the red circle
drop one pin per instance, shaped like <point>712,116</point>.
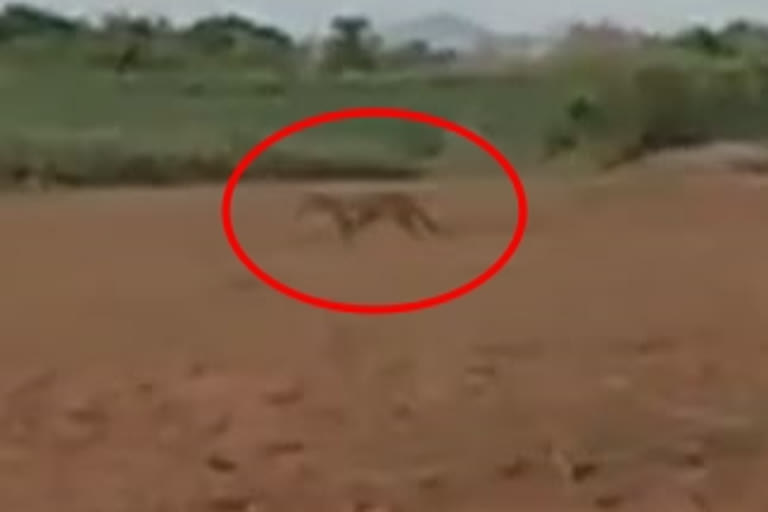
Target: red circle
<point>379,112</point>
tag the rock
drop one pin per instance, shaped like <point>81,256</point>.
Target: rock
<point>365,506</point>
<point>284,392</point>
<point>402,410</point>
<point>430,479</point>
<point>87,411</point>
<point>145,388</point>
<point>79,422</point>
<point>583,470</point>
<point>228,495</point>
<point>572,471</point>
<point>608,501</point>
<point>219,425</point>
<point>284,447</point>
<point>220,463</point>
<point>197,370</point>
<point>232,503</point>
<point>690,455</point>
<point>513,469</point>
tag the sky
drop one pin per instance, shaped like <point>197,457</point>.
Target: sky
<point>514,16</point>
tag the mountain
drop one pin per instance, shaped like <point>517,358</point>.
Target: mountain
<point>447,30</point>
<point>440,30</point>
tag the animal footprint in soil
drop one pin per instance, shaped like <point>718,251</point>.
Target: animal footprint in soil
<point>480,376</point>
<point>572,471</point>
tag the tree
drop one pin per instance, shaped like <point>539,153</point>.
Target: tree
<point>352,46</point>
<point>703,40</point>
<point>22,20</point>
<point>135,27</point>
<point>746,37</point>
<point>221,33</point>
<point>136,34</point>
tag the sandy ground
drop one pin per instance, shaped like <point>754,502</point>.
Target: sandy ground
<point>618,362</point>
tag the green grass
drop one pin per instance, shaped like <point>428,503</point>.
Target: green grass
<point>70,114</point>
<point>64,110</point>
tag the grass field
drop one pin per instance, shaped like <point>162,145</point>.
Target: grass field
<point>74,113</point>
<point>143,368</point>
<point>189,124</point>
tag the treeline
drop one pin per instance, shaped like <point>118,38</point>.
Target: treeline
<point>737,38</point>
<point>135,42</point>
<point>352,44</point>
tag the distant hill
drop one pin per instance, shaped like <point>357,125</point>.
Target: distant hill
<point>448,30</point>
<point>441,30</point>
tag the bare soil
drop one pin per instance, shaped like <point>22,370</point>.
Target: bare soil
<point>617,362</point>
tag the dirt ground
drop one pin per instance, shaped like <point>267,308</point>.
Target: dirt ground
<point>618,362</point>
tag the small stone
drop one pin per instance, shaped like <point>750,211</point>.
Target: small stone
<point>616,383</point>
<point>609,501</point>
<point>220,463</point>
<point>231,503</point>
<point>229,496</point>
<point>145,388</point>
<point>284,447</point>
<point>402,410</point>
<point>366,506</point>
<point>652,345</point>
<point>572,471</point>
<point>690,455</point>
<point>479,377</point>
<point>80,422</point>
<point>486,370</point>
<point>70,434</point>
<point>40,382</point>
<point>296,468</point>
<point>430,479</point>
<point>513,469</point>
<point>581,471</point>
<point>284,393</point>
<point>84,410</point>
<point>219,425</point>
<point>197,370</point>
<point>699,502</point>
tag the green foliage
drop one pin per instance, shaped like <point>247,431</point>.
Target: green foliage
<point>198,97</point>
<point>108,167</point>
<point>19,20</point>
<point>739,37</point>
<point>706,41</point>
<point>655,98</point>
<point>142,27</point>
<point>350,48</point>
<point>222,33</point>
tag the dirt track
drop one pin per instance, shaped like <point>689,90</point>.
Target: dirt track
<point>629,330</point>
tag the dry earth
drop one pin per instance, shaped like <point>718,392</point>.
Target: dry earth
<point>618,362</point>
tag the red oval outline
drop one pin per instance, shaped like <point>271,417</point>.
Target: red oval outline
<point>375,308</point>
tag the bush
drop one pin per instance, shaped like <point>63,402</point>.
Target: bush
<point>112,168</point>
<point>654,100</point>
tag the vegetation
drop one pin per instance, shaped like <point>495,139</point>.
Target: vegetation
<point>139,100</point>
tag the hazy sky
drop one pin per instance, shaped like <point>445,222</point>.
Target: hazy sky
<point>506,15</point>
